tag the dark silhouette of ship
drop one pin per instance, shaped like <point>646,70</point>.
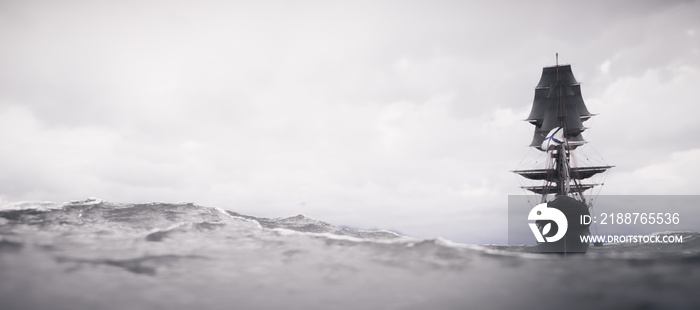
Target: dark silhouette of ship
<point>558,112</point>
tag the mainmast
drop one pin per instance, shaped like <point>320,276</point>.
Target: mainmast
<point>562,164</point>
<point>558,113</point>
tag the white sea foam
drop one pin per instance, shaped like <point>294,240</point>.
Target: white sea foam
<point>31,205</point>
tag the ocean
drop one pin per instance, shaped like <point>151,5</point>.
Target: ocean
<point>95,254</point>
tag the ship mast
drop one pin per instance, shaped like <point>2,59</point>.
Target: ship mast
<point>563,149</point>
<point>558,108</point>
<point>562,166</point>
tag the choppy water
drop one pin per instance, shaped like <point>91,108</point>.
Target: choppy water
<point>101,255</point>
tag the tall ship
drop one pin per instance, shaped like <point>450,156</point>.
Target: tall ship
<point>558,113</point>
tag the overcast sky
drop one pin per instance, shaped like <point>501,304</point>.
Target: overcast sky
<point>399,115</point>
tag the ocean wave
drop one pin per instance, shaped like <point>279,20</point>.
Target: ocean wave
<point>159,221</point>
<point>99,254</point>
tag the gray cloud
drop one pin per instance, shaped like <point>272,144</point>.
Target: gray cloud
<point>399,115</point>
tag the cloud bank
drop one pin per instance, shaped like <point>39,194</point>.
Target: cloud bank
<point>395,115</point>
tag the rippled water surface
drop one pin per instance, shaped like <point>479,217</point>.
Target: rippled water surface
<point>100,255</point>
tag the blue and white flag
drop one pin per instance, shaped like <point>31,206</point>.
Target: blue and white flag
<point>554,138</point>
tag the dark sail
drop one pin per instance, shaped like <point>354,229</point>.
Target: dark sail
<point>547,189</point>
<point>551,175</point>
<point>558,85</point>
<point>558,113</point>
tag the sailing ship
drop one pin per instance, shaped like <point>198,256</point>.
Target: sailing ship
<point>558,113</point>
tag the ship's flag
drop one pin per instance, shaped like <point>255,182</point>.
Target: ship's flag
<point>554,138</point>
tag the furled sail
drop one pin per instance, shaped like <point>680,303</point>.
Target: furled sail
<point>558,85</point>
<point>544,190</point>
<point>551,175</point>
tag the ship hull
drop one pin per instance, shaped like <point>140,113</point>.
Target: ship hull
<point>572,241</point>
